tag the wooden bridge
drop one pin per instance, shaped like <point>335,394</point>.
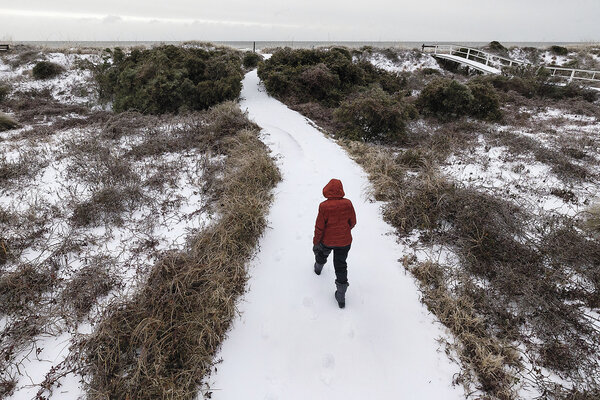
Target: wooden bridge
<point>489,63</point>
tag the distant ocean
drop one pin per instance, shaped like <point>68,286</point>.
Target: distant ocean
<point>294,44</point>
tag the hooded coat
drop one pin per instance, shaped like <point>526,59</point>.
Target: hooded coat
<point>336,217</point>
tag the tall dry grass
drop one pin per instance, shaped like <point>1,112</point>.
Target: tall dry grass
<point>161,342</point>
<point>510,286</point>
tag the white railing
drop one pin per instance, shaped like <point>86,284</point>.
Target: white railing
<point>499,62</point>
<point>571,73</point>
<point>470,53</point>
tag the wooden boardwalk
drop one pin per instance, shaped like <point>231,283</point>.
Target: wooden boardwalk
<point>489,63</point>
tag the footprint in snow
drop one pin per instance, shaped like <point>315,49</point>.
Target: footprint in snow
<point>309,306</point>
<point>329,361</point>
<point>349,331</point>
<point>327,373</point>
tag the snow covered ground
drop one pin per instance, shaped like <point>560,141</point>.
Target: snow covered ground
<point>291,340</point>
<point>59,171</point>
<point>72,86</point>
<point>128,245</point>
<point>405,61</point>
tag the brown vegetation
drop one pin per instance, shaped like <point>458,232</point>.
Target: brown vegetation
<point>7,122</point>
<point>510,286</point>
<point>169,331</point>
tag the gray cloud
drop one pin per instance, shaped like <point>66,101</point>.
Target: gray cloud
<point>401,20</point>
<point>111,19</point>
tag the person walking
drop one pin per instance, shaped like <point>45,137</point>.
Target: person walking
<point>335,220</point>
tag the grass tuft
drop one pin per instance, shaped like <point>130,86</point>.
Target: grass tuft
<point>7,122</point>
<point>592,221</point>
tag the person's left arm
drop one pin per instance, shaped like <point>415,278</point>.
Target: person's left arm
<point>352,219</point>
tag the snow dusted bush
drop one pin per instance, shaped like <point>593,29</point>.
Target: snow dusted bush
<point>449,99</point>
<point>47,70</point>
<point>531,82</point>
<point>507,83</point>
<point>374,115</point>
<point>485,104</point>
<point>169,79</point>
<point>446,98</point>
<point>495,45</point>
<point>323,75</point>
<point>559,50</point>
<point>319,81</point>
<point>251,59</point>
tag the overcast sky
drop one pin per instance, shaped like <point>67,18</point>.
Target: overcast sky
<point>372,20</point>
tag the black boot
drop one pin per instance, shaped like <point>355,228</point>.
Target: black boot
<point>340,293</point>
<point>318,268</point>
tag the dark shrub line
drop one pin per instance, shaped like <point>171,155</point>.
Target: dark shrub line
<point>169,79</point>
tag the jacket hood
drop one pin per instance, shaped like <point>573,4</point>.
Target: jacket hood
<point>334,189</point>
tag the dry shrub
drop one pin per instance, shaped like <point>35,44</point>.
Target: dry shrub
<point>7,122</point>
<point>87,285</point>
<point>106,205</point>
<point>34,105</point>
<point>525,278</point>
<point>558,160</point>
<point>96,117</point>
<point>592,221</point>
<point>201,130</point>
<point>385,174</point>
<point>28,163</point>
<point>4,251</point>
<point>25,57</point>
<point>24,287</point>
<point>92,161</point>
<point>413,158</point>
<point>22,229</point>
<point>7,387</point>
<point>161,342</point>
<point>127,123</point>
<point>482,355</point>
<point>317,112</point>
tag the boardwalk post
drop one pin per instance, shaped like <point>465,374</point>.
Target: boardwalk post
<point>254,47</point>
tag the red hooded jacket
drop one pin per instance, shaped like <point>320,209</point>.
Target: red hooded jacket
<point>336,217</point>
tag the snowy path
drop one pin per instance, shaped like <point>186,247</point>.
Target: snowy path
<point>292,341</point>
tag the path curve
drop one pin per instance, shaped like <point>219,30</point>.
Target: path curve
<point>292,341</point>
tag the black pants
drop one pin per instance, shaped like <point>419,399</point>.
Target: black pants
<point>339,259</point>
